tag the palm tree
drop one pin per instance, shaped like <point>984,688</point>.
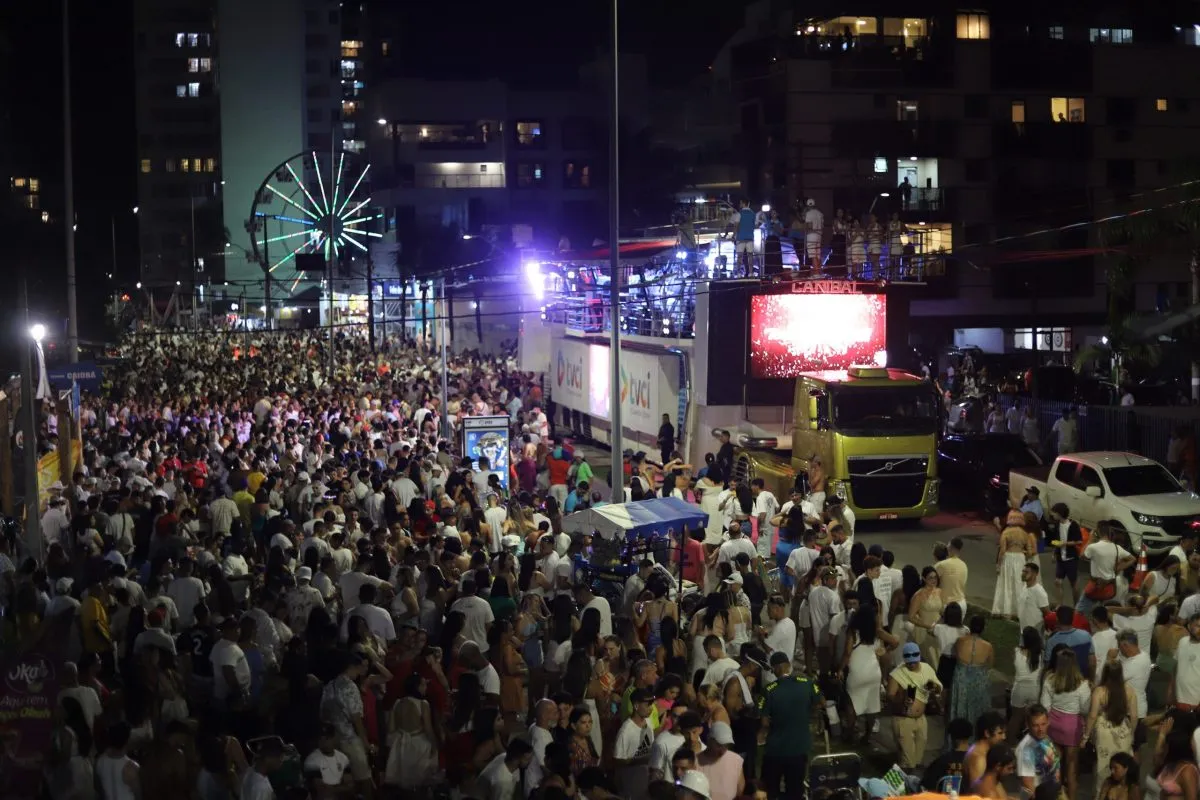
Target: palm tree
<point>1158,222</point>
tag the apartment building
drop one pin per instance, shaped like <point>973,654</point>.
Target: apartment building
<point>989,129</point>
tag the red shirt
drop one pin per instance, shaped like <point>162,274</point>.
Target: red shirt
<point>558,470</point>
<point>693,560</point>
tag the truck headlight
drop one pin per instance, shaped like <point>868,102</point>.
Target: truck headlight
<point>933,489</point>
<point>839,489</point>
<point>1147,519</point>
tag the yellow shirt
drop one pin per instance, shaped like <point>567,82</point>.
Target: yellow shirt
<point>96,635</point>
<point>254,480</point>
<point>953,575</point>
<point>245,502</point>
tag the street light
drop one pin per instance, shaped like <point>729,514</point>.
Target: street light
<point>135,209</point>
<point>876,200</point>
<point>37,332</point>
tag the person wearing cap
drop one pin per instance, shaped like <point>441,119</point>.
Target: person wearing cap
<point>56,522</point>
<point>786,706</point>
<point>268,759</point>
<point>909,688</point>
<point>631,749</point>
<point>155,634</point>
<point>1031,502</point>
<point>62,602</point>
<point>693,785</point>
<point>722,766</point>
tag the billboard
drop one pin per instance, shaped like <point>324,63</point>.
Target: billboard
<point>569,373</point>
<point>649,387</point>
<point>795,333</point>
<point>87,374</point>
<point>488,437</point>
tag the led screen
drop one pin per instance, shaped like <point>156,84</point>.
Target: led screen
<point>490,443</point>
<point>795,333</point>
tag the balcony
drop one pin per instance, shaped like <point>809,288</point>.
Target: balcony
<point>1042,140</point>
<point>894,139</point>
<point>926,203</point>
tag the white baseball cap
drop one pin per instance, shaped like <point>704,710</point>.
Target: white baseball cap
<point>696,782</point>
<point>304,574</point>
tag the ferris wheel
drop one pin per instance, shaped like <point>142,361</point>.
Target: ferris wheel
<point>311,206</point>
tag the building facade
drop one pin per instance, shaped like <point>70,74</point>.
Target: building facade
<point>990,131</point>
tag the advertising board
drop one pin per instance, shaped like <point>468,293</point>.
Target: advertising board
<point>569,373</point>
<point>487,437</point>
<point>795,333</point>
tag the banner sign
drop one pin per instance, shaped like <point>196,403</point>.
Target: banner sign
<point>87,374</point>
<point>487,437</point>
<point>27,702</point>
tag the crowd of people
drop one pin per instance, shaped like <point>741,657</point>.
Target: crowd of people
<point>271,580</point>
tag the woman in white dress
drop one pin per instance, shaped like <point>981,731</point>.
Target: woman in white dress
<point>1016,546</point>
<point>866,643</point>
<point>412,762</point>
<point>1027,680</point>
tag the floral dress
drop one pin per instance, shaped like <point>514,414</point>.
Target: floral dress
<point>970,692</point>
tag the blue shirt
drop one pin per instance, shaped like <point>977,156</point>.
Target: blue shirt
<point>1035,506</point>
<point>745,226</point>
<point>573,500</point>
<point>1079,641</point>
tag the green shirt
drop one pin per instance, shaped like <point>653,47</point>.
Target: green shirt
<point>788,703</point>
<point>583,473</point>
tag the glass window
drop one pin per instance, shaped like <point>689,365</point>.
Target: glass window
<point>210,165</point>
<point>1161,104</point>
<point>906,110</point>
<point>193,65</point>
<point>181,90</point>
<point>1065,472</point>
<point>350,48</point>
<point>529,133</point>
<point>974,26</point>
<point>206,65</point>
<point>1067,109</point>
<point>857,26</point>
<point>196,165</point>
<point>529,174</point>
<point>1056,32</point>
<point>185,165</point>
<point>170,165</point>
<point>193,89</point>
<point>910,28</point>
<point>180,39</point>
<point>1111,35</point>
<point>35,185</point>
<point>1018,111</point>
<point>193,40</point>
<point>145,165</point>
<point>18,183</point>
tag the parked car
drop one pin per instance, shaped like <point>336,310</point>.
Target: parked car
<point>1133,490</point>
<point>974,468</point>
<point>967,415</point>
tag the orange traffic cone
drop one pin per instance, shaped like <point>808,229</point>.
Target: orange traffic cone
<point>1143,570</point>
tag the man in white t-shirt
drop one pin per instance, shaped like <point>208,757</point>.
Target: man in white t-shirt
<point>765,509</point>
<point>737,544</point>
<point>780,637</point>
<point>631,750</point>
<point>231,671</point>
<point>502,775</point>
<point>1104,638</point>
<point>1038,759</point>
<point>1136,666</point>
<point>1032,602</point>
<point>1185,685</point>
<point>1139,617</point>
<point>489,678</point>
<point>327,766</point>
<point>495,515</point>
<point>89,701</point>
<point>1106,558</point>
<point>720,666</point>
<point>585,599</point>
<point>477,613</point>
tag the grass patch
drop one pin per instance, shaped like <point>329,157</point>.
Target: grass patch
<point>1004,636</point>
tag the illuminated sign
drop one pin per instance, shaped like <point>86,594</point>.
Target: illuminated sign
<point>805,332</point>
<point>830,287</point>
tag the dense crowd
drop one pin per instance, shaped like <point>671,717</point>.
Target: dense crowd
<point>273,581</point>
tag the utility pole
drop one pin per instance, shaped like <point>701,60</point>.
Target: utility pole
<point>69,184</point>
<point>33,521</point>
<point>617,472</point>
<point>371,302</point>
<point>1195,303</point>
<point>444,414</point>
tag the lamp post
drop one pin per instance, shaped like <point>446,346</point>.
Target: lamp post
<point>69,185</point>
<point>34,333</point>
<point>617,472</point>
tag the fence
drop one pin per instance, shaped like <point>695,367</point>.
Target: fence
<point>1145,431</point>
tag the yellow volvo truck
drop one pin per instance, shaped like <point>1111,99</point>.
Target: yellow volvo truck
<point>875,433</point>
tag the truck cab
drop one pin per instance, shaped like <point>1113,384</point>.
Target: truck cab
<point>874,431</point>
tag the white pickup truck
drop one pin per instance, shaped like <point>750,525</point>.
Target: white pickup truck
<point>1133,490</point>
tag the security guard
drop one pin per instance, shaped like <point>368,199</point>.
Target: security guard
<point>786,707</point>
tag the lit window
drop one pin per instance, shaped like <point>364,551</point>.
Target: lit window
<point>35,185</point>
<point>206,65</point>
<point>210,165</point>
<point>18,183</point>
<point>1111,35</point>
<point>185,165</point>
<point>1067,109</point>
<point>1056,32</point>
<point>45,216</point>
<point>1161,104</point>
<point>193,65</point>
<point>145,165</point>
<point>974,26</point>
<point>529,133</point>
<point>181,90</point>
<point>180,39</point>
<point>1018,111</point>
<point>196,164</point>
<point>384,47</point>
<point>193,40</point>
<point>529,174</point>
<point>350,48</point>
<point>906,110</point>
<point>30,201</point>
<point>170,165</point>
<point>1189,35</point>
<point>881,164</point>
<point>193,89</point>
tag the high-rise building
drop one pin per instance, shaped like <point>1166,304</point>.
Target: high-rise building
<point>988,130</point>
<point>226,90</point>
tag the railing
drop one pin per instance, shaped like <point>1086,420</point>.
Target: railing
<point>456,182</point>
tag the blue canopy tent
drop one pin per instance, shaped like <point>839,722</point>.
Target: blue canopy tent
<point>640,519</point>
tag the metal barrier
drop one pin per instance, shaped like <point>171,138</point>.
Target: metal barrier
<point>1145,431</point>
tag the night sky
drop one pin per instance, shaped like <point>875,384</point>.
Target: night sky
<point>475,40</point>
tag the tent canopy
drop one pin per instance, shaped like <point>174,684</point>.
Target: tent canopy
<point>639,519</point>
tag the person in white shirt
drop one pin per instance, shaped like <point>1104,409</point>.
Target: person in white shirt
<point>477,614</point>
<point>379,621</point>
<point>585,599</point>
<point>737,543</point>
<point>267,761</point>
<point>1032,602</point>
<point>186,591</point>
<point>631,750</point>
<point>635,585</point>
<point>766,507</point>
<point>496,516</point>
<point>824,603</point>
<point>327,765</point>
<point>720,666</point>
<point>1139,616</point>
<point>1136,666</point>
<point>1106,558</point>
<point>231,671</point>
<point>1104,637</point>
<point>501,777</point>
<point>781,637</point>
<point>1185,684</point>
